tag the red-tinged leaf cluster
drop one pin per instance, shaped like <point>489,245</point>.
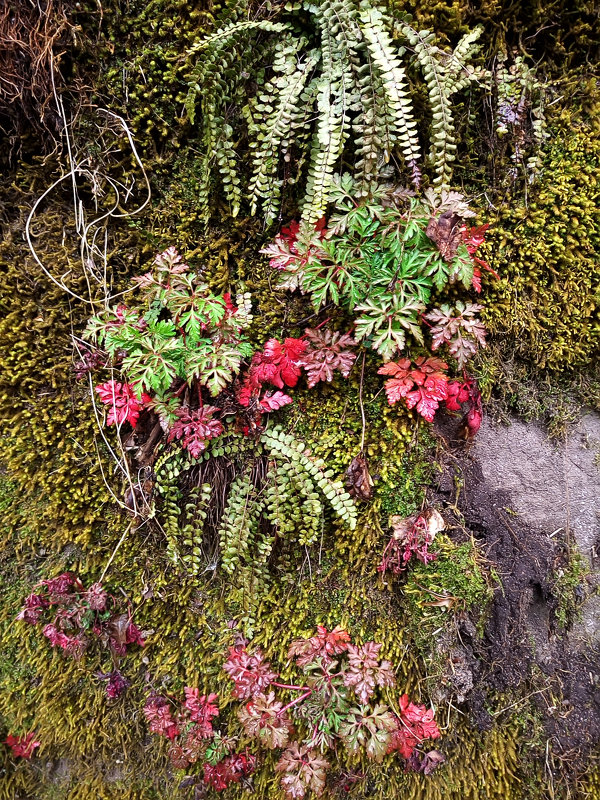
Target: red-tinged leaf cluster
<point>264,718</point>
<point>275,401</point>
<point>288,253</point>
<point>416,724</point>
<point>91,360</point>
<point>324,646</point>
<point>189,727</point>
<point>73,618</point>
<point>22,746</point>
<point>459,329</point>
<point>303,769</point>
<point>158,711</point>
<point>335,700</point>
<point>277,364</point>
<point>230,770</point>
<point>251,673</point>
<point>422,383</point>
<point>365,671</point>
<point>189,722</point>
<point>123,405</point>
<point>195,428</point>
<point>411,537</point>
<point>202,709</point>
<point>327,352</point>
<point>459,393</point>
<point>116,683</point>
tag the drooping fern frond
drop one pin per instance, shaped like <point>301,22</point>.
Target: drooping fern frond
<point>327,146</point>
<point>277,129</point>
<point>215,80</point>
<point>241,497</point>
<point>314,91</point>
<point>395,87</point>
<point>445,73</point>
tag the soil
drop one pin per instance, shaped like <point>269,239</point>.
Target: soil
<point>528,503</point>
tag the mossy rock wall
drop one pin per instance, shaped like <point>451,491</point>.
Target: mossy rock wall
<point>56,471</point>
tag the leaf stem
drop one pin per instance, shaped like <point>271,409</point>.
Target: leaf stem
<point>296,701</point>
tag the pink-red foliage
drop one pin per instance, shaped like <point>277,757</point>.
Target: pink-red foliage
<point>327,352</point>
<point>415,542</point>
<point>251,673</point>
<point>324,645</point>
<point>415,725</point>
<point>123,404</point>
<point>277,364</point>
<point>22,746</point>
<point>423,385</point>
<point>73,617</point>
<point>230,770</point>
<point>195,428</point>
<point>158,713</point>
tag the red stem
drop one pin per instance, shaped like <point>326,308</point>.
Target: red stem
<point>287,686</point>
<point>296,701</point>
<point>320,325</point>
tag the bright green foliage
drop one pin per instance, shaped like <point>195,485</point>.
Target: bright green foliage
<point>378,262</point>
<point>336,80</point>
<point>179,329</point>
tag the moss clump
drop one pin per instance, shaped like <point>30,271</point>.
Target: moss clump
<point>546,302</point>
<point>455,582</point>
<point>568,587</point>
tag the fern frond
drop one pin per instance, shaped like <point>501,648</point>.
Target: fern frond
<point>327,146</point>
<point>238,523</point>
<point>394,84</point>
<point>279,442</point>
<point>445,73</point>
<point>278,126</point>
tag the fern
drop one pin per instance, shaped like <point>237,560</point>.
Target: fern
<point>395,87</point>
<point>445,74</point>
<point>336,73</point>
<point>278,130</point>
<point>275,489</point>
<point>239,522</point>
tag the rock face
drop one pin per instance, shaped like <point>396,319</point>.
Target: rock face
<point>530,504</point>
<point>554,488</point>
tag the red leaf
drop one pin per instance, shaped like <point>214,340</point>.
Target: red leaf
<point>365,672</point>
<point>22,746</point>
<point>458,392</point>
<point>230,770</point>
<point>123,403</point>
<point>265,719</point>
<point>250,673</point>
<point>158,713</point>
<point>415,725</point>
<point>272,402</point>
<point>327,351</point>
<point>423,385</point>
<point>195,428</point>
<point>324,645</point>
<point>302,769</point>
<point>202,709</point>
<point>474,237</point>
<point>277,364</point>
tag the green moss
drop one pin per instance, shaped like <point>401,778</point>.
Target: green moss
<point>568,584</point>
<point>455,582</point>
<point>546,303</point>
